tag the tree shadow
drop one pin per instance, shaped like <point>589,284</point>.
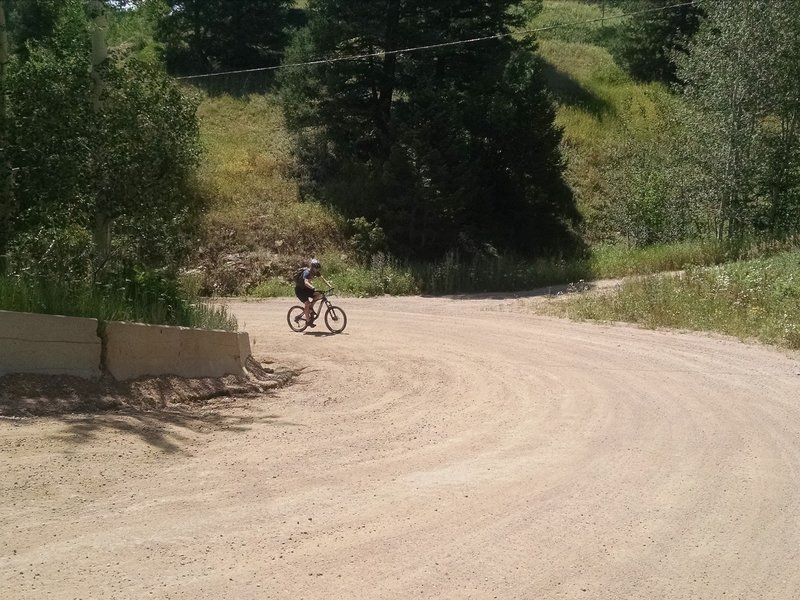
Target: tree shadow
<point>236,85</point>
<point>542,292</point>
<point>569,92</point>
<point>164,412</point>
<point>168,430</point>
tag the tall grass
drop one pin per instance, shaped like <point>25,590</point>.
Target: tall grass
<point>456,274</point>
<point>111,303</point>
<point>605,115</point>
<point>382,275</point>
<point>612,261</point>
<point>576,13</point>
<point>757,299</point>
<point>503,273</point>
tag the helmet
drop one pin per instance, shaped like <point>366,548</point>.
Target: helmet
<point>315,264</point>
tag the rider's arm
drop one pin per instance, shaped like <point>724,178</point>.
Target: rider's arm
<point>308,283</point>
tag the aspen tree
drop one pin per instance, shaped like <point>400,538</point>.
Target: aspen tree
<point>98,27</point>
<point>7,202</point>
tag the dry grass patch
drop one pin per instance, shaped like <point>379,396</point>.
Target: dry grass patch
<point>257,225</point>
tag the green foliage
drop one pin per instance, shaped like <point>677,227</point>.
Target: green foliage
<point>378,276</point>
<point>147,297</point>
<point>133,29</point>
<point>128,155</point>
<point>133,160</point>
<point>255,225</point>
<point>618,140</point>
<point>594,23</point>
<point>57,249</point>
<point>504,273</point>
<point>486,272</point>
<point>272,287</point>
<point>755,299</point>
<point>202,36</point>
<point>32,21</point>
<point>454,148</point>
<point>621,261</point>
<point>366,238</point>
<point>655,197</point>
<point>650,40</point>
<point>741,78</point>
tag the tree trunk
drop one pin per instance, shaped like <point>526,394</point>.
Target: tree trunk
<point>7,202</point>
<point>388,74</point>
<point>98,28</point>
<point>103,219</point>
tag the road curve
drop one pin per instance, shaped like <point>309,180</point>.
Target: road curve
<point>440,448</point>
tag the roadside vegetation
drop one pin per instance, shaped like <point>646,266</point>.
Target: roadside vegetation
<point>147,299</point>
<point>755,299</point>
<point>456,274</point>
<point>596,150</point>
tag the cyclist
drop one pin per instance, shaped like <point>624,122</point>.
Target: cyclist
<point>305,291</point>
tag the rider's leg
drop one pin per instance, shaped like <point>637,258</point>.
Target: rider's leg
<point>311,301</point>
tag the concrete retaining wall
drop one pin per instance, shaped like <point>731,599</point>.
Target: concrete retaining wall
<point>134,350</point>
<point>49,345</point>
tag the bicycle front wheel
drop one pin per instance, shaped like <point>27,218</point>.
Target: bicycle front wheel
<point>297,319</point>
<point>335,319</point>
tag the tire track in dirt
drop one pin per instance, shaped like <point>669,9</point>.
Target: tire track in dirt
<point>439,449</point>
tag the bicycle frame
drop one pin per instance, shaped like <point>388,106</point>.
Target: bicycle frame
<point>335,318</point>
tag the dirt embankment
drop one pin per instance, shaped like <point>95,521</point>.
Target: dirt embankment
<point>438,449</point>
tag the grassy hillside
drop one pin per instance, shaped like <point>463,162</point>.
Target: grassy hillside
<point>258,228</point>
<point>256,225</point>
<point>607,117</point>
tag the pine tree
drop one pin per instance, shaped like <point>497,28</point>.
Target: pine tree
<point>651,39</point>
<point>210,35</point>
<point>448,148</point>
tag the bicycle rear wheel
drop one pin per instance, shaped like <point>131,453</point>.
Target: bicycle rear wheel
<point>296,318</point>
<point>335,319</point>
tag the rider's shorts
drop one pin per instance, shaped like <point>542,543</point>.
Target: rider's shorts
<point>303,294</point>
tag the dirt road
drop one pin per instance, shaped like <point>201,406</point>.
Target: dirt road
<point>439,449</point>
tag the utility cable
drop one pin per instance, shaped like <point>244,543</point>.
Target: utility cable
<point>382,53</point>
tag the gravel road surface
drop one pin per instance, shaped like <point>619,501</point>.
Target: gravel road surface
<point>440,448</point>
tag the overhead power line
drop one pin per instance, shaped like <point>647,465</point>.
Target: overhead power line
<point>382,53</point>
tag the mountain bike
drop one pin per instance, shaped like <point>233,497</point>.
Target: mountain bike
<point>335,317</point>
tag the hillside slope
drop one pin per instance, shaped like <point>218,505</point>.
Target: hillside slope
<point>258,226</point>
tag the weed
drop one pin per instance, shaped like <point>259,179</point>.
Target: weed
<point>142,301</point>
<point>749,299</point>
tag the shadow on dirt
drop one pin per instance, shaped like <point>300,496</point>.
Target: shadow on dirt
<point>168,430</point>
<point>543,292</point>
<point>164,412</point>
